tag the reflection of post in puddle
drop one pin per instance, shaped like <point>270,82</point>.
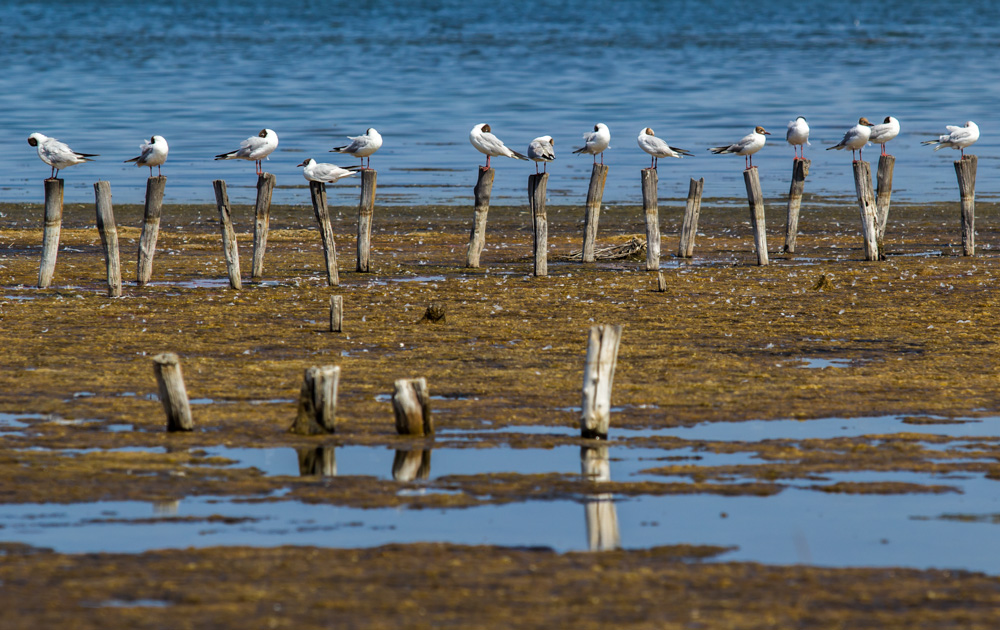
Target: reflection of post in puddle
<point>410,465</point>
<point>317,462</point>
<point>602,517</point>
<point>166,508</point>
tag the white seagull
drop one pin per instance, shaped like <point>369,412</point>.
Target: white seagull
<point>327,173</point>
<point>596,141</point>
<point>885,132</point>
<point>658,147</point>
<point>153,153</point>
<point>798,135</point>
<point>56,154</point>
<point>956,138</point>
<point>542,150</point>
<point>486,142</point>
<point>254,148</point>
<point>747,145</point>
<point>362,146</point>
<point>856,137</point>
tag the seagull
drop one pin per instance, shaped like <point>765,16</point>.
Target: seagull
<point>542,150</point>
<point>658,147</point>
<point>328,173</point>
<point>885,132</point>
<point>362,146</point>
<point>747,146</point>
<point>56,154</point>
<point>596,141</point>
<point>956,138</point>
<point>798,135</point>
<point>486,142</point>
<point>254,148</point>
<point>856,137</point>
<point>154,153</point>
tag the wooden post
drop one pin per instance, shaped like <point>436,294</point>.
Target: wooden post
<point>751,177</point>
<point>866,203</point>
<point>800,170</point>
<point>173,395</point>
<point>690,226</point>
<point>366,209</point>
<point>661,282</point>
<point>885,165</point>
<point>317,191</point>
<point>317,412</point>
<point>650,179</point>
<point>109,236</point>
<point>965,169</point>
<point>477,239</point>
<point>150,228</point>
<point>320,461</point>
<point>595,194</point>
<point>411,404</point>
<point>336,313</point>
<point>537,184</point>
<point>598,377</point>
<point>262,222</point>
<point>229,248</point>
<point>602,517</point>
<point>51,230</point>
<point>411,465</point>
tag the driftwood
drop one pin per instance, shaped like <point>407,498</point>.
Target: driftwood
<point>632,248</point>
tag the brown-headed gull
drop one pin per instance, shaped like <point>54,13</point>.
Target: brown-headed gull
<point>596,141</point>
<point>658,147</point>
<point>797,136</point>
<point>747,145</point>
<point>542,150</point>
<point>153,153</point>
<point>956,138</point>
<point>856,138</point>
<point>362,146</point>
<point>486,142</point>
<point>56,154</point>
<point>884,132</point>
<point>254,148</point>
<point>327,173</point>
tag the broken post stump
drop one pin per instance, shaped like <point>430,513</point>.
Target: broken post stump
<point>595,195</point>
<point>262,222</point>
<point>800,170</point>
<point>411,404</point>
<point>477,238</point>
<point>336,313</point>
<point>317,191</point>
<point>537,185</point>
<point>886,163</point>
<point>598,377</point>
<point>691,213</point>
<point>650,179</point>
<point>965,169</point>
<point>751,177</point>
<point>317,413</point>
<point>51,230</point>
<point>173,395</point>
<point>366,210</point>
<point>109,236</point>
<point>150,228</point>
<point>661,282</point>
<point>866,204</point>
<point>229,248</point>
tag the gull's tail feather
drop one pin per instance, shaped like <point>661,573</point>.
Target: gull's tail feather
<point>518,156</point>
<point>718,150</point>
<point>681,151</point>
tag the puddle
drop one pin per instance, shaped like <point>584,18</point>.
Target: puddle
<point>419,279</point>
<point>821,364</point>
<point>130,603</point>
<point>17,420</point>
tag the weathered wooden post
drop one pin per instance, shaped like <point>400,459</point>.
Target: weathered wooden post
<point>51,230</point>
<point>866,203</point>
<point>173,395</point>
<point>411,404</point>
<point>336,313</point>
<point>317,191</point>
<point>262,222</point>
<point>692,211</point>
<point>661,282</point>
<point>229,249</point>
<point>602,518</point>
<point>595,195</point>
<point>317,411</point>
<point>411,465</point>
<point>800,170</point>
<point>150,228</point>
<point>886,163</point>
<point>477,239</point>
<point>751,178</point>
<point>537,185</point>
<point>109,236</point>
<point>650,179</point>
<point>320,461</point>
<point>598,378</point>
<point>366,210</point>
<point>965,169</point>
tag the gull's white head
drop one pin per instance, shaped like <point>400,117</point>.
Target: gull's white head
<point>549,140</point>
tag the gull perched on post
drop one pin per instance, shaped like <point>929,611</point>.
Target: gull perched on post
<point>856,138</point>
<point>362,146</point>
<point>596,141</point>
<point>327,173</point>
<point>254,148</point>
<point>658,147</point>
<point>56,154</point>
<point>485,142</point>
<point>153,153</point>
<point>798,135</point>
<point>884,132</point>
<point>957,137</point>
<point>746,146</point>
<point>542,149</point>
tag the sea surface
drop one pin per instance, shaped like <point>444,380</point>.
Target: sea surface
<point>102,76</point>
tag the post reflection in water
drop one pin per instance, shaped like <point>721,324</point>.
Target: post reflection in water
<point>602,517</point>
<point>410,465</point>
<point>317,462</point>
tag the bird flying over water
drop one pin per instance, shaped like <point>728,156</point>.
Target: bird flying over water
<point>542,150</point>
<point>596,141</point>
<point>254,148</point>
<point>884,132</point>
<point>328,173</point>
<point>153,153</point>
<point>486,142</point>
<point>658,147</point>
<point>362,146</point>
<point>957,137</point>
<point>798,135</point>
<point>56,154</point>
<point>856,138</point>
<point>746,146</point>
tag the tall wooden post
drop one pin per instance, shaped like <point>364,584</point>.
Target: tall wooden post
<point>866,203</point>
<point>650,178</point>
<point>51,230</point>
<point>109,236</point>
<point>366,210</point>
<point>150,228</point>
<point>262,222</point>
<point>751,177</point>
<point>229,247</point>
<point>691,213</point>
<point>477,239</point>
<point>800,170</point>
<point>598,378</point>
<point>886,163</point>
<point>317,191</point>
<point>411,405</point>
<point>173,394</point>
<point>965,169</point>
<point>317,413</point>
<point>595,195</point>
<point>537,184</point>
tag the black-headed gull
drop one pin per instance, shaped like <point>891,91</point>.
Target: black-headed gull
<point>956,138</point>
<point>56,154</point>
<point>596,141</point>
<point>658,147</point>
<point>542,150</point>
<point>798,135</point>
<point>327,173</point>
<point>254,148</point>
<point>884,132</point>
<point>856,138</point>
<point>486,142</point>
<point>362,146</point>
<point>154,153</point>
<point>747,145</point>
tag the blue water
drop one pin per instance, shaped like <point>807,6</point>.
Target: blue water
<point>103,76</point>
